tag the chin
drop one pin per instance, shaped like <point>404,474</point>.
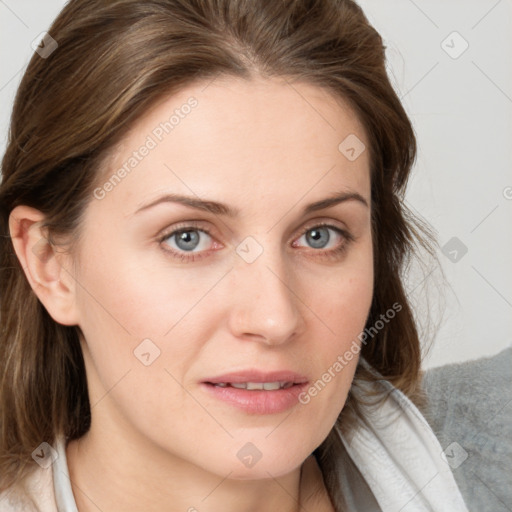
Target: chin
<point>272,467</point>
<point>263,458</point>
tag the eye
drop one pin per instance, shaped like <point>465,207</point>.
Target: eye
<point>190,243</point>
<point>322,237</point>
<point>325,238</point>
<point>187,242</point>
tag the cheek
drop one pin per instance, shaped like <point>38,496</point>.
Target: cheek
<point>140,298</point>
<point>342,297</point>
<point>342,306</point>
<point>124,301</point>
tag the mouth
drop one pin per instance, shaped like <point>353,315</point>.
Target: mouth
<point>253,386</point>
<point>255,392</point>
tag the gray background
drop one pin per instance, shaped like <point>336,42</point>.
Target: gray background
<point>461,106</point>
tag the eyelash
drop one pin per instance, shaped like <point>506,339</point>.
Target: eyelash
<point>331,254</point>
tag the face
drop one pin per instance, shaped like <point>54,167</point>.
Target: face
<point>219,280</point>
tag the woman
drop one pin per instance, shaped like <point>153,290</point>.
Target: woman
<point>202,304</point>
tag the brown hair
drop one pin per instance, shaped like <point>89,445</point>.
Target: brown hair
<point>114,60</point>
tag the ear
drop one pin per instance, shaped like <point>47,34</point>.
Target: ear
<point>48,269</point>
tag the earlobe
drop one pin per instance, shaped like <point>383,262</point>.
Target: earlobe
<point>46,268</point>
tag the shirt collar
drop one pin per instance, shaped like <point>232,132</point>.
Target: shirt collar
<point>61,482</point>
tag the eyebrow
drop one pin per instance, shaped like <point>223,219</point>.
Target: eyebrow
<point>217,208</point>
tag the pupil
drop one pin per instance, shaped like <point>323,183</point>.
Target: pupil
<point>318,238</point>
<point>187,240</point>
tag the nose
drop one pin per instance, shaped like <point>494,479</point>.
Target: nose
<point>265,304</point>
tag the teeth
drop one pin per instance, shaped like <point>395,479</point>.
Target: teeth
<point>254,385</point>
<point>250,386</point>
<point>239,385</point>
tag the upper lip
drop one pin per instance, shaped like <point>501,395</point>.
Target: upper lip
<point>258,376</point>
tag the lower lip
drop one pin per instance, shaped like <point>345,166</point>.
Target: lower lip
<point>256,401</point>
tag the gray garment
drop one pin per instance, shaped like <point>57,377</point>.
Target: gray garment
<point>470,411</point>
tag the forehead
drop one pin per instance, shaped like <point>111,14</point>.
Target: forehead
<point>242,140</point>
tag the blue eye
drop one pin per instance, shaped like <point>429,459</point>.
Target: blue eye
<point>188,240</point>
<point>319,237</point>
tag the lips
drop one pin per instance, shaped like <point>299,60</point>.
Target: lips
<point>259,376</point>
<point>251,386</point>
<point>257,392</point>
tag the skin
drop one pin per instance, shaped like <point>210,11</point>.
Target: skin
<point>157,438</point>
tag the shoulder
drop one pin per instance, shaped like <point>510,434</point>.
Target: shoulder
<point>470,410</point>
<point>33,494</point>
